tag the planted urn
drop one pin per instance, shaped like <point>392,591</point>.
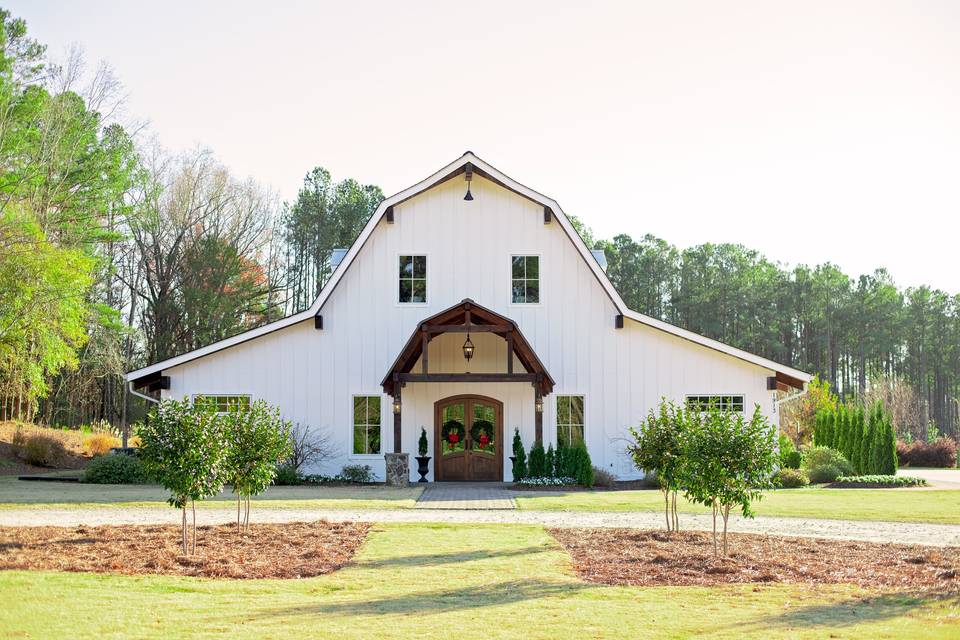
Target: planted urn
<point>423,460</point>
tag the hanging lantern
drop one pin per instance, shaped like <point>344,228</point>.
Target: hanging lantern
<point>396,404</point>
<point>469,175</point>
<point>468,349</point>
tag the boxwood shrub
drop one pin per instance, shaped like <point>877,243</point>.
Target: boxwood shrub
<point>792,478</point>
<point>824,464</point>
<point>115,468</point>
<point>878,481</point>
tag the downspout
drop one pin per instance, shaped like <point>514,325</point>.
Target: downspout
<point>790,398</point>
<point>141,395</point>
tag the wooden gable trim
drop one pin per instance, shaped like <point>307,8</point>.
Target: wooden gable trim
<point>459,318</point>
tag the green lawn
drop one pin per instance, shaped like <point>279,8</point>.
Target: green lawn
<point>18,494</point>
<point>451,581</point>
<point>904,505</point>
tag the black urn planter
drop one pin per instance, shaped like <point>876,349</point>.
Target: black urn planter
<point>423,467</point>
<point>513,461</point>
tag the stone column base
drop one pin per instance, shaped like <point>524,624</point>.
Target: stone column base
<point>398,469</point>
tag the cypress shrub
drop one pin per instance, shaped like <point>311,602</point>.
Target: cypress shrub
<point>520,457</point>
<point>564,464</point>
<point>856,455</point>
<point>829,419</point>
<point>538,461</point>
<point>583,465</point>
<point>887,455</point>
<point>551,464</point>
<point>871,459</point>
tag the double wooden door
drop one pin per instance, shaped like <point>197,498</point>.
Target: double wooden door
<point>468,439</point>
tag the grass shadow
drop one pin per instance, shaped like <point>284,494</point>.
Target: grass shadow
<point>433,559</point>
<point>439,601</point>
<point>853,611</point>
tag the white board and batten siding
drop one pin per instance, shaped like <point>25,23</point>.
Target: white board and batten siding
<point>312,375</point>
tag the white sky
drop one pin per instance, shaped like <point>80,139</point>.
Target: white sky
<point>811,131</point>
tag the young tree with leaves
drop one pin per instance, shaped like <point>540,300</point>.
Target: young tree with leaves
<point>184,447</point>
<point>728,462</point>
<point>658,447</point>
<point>257,441</point>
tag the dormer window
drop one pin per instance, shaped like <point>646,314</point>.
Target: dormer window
<point>413,279</point>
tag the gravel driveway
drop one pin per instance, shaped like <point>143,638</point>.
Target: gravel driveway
<point>902,532</point>
<point>938,478</point>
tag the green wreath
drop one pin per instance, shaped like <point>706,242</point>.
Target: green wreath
<point>454,427</point>
<point>478,430</point>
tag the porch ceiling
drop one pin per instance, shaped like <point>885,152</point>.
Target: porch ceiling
<point>467,316</point>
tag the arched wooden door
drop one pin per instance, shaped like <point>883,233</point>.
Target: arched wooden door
<point>468,439</point>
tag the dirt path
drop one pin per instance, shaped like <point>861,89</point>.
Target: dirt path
<point>902,532</point>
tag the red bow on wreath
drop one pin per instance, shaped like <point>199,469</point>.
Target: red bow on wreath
<point>484,440</point>
<point>454,437</point>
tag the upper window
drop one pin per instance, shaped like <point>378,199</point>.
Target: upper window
<point>366,424</point>
<point>525,279</point>
<point>224,403</point>
<point>724,403</point>
<point>413,279</point>
<point>569,420</point>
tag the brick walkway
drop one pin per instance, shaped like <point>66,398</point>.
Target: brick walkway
<point>465,495</point>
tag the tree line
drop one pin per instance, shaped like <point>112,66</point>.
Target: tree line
<point>866,337</point>
<point>115,252</point>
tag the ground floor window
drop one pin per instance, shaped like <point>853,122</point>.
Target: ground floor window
<point>224,403</point>
<point>366,425</point>
<point>724,403</point>
<point>569,420</point>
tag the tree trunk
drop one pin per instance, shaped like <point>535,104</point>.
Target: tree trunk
<point>666,506</point>
<point>238,512</point>
<point>193,506</point>
<point>183,530</point>
<point>726,516</point>
<point>714,529</point>
<point>676,519</point>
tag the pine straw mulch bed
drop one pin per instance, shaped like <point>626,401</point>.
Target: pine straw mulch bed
<point>293,550</point>
<point>685,558</point>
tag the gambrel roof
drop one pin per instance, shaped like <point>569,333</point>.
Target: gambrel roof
<point>785,374</point>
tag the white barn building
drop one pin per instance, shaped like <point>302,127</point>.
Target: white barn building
<point>556,352</point>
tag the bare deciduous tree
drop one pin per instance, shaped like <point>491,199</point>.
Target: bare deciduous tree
<point>309,446</point>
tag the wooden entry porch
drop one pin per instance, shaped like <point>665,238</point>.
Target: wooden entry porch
<point>520,364</point>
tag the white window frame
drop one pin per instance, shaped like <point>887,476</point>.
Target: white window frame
<point>556,415</point>
<point>720,396</point>
<point>531,254</point>
<point>193,398</point>
<point>395,278</point>
<point>366,456</point>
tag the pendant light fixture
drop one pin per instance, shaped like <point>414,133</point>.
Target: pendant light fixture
<point>469,175</point>
<point>468,347</point>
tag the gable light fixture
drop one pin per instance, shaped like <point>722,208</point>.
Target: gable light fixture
<point>468,345</point>
<point>469,195</point>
